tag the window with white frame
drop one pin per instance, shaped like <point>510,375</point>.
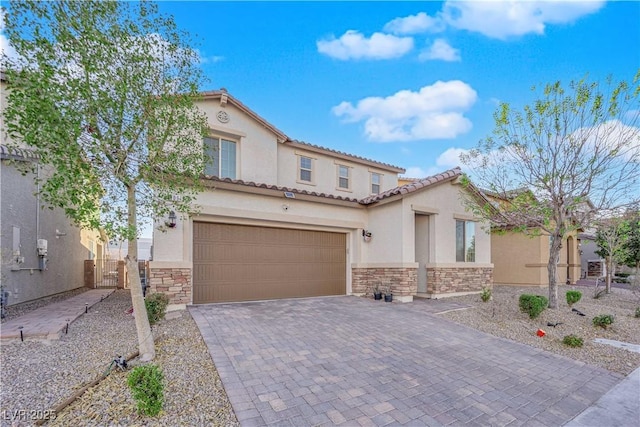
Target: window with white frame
<point>221,157</point>
<point>376,183</point>
<point>305,173</point>
<point>465,241</point>
<point>344,177</point>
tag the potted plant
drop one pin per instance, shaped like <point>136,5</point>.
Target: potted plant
<point>377,294</point>
<point>388,295</point>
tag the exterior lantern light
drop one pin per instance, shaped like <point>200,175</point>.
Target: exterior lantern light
<point>366,235</point>
<point>172,220</point>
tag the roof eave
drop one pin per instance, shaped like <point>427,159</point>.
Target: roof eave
<point>217,94</point>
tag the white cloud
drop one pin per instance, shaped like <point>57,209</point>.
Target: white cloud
<point>442,50</point>
<point>415,172</point>
<point>502,19</point>
<point>415,24</point>
<point>451,157</point>
<point>433,112</point>
<point>5,47</point>
<point>353,45</point>
<point>612,135</point>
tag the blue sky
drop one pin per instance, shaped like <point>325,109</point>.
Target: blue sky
<point>407,83</point>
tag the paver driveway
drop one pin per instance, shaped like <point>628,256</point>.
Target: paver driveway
<point>355,361</point>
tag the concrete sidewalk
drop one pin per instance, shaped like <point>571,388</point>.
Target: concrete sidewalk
<point>619,407</point>
<point>49,321</point>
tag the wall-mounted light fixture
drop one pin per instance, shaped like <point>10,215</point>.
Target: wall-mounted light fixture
<point>366,235</point>
<point>171,223</point>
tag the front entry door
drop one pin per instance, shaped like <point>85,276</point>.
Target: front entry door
<point>422,250</point>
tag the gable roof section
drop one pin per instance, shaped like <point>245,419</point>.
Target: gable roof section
<point>344,156</point>
<point>414,186</point>
<point>225,98</point>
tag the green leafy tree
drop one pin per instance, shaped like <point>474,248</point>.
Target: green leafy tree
<point>105,92</point>
<point>612,235</point>
<point>575,151</point>
<point>631,257</point>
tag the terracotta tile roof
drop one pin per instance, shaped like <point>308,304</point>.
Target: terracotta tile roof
<point>278,188</point>
<point>16,153</point>
<point>404,189</point>
<point>414,186</point>
<point>314,147</point>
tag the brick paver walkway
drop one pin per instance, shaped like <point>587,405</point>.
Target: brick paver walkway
<point>48,322</point>
<point>355,361</point>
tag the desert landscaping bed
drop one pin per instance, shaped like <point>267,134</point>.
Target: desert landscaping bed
<point>502,317</point>
<point>38,375</point>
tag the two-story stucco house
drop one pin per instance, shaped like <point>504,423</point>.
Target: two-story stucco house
<point>282,218</point>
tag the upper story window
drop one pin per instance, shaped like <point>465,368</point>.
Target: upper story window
<point>465,241</point>
<point>344,177</point>
<point>305,173</point>
<point>376,183</point>
<point>221,155</point>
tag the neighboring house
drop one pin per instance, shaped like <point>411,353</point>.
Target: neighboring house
<point>521,258</point>
<point>42,254</point>
<point>118,250</point>
<point>282,218</point>
<point>591,264</point>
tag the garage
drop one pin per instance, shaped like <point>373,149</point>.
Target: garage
<point>244,263</point>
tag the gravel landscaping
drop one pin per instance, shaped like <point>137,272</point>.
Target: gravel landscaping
<point>502,317</point>
<point>38,375</point>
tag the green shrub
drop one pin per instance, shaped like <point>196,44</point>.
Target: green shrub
<point>486,294</point>
<point>147,387</point>
<point>572,341</point>
<point>533,304</point>
<point>603,320</point>
<point>637,312</point>
<point>623,275</point>
<point>156,306</point>
<point>573,297</point>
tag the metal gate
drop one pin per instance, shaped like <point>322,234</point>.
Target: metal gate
<point>103,273</point>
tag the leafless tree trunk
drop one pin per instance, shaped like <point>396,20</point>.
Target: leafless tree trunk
<point>552,269</point>
<point>143,328</point>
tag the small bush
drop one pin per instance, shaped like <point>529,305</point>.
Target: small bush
<point>572,341</point>
<point>603,320</point>
<point>573,297</point>
<point>533,304</point>
<point>147,387</point>
<point>486,294</point>
<point>623,275</point>
<point>156,306</point>
<point>637,315</point>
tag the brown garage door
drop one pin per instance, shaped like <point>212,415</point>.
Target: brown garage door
<point>244,263</point>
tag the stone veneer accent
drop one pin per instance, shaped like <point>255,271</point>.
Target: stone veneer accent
<point>443,280</point>
<point>174,282</point>
<point>404,281</point>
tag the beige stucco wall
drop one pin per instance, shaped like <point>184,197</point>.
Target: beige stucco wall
<point>446,204</point>
<point>393,225</point>
<point>257,152</point>
<point>325,174</point>
<point>521,259</point>
<point>173,248</point>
